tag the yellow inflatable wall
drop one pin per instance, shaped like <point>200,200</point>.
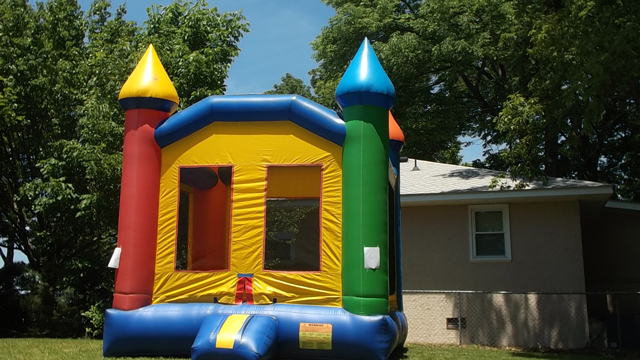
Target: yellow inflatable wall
<point>254,149</point>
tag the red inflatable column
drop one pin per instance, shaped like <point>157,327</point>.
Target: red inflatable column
<point>138,222</point>
<point>148,97</point>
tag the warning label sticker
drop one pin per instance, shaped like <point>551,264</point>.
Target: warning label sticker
<point>315,336</point>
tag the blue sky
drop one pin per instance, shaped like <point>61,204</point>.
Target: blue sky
<point>278,42</point>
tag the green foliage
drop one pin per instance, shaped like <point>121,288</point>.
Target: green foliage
<point>61,132</point>
<point>95,316</point>
<point>550,86</point>
<point>501,182</point>
<point>290,84</point>
<point>522,124</point>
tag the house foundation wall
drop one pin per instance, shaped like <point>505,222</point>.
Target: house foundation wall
<point>498,319</point>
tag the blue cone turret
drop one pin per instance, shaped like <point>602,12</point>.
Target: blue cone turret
<point>365,81</point>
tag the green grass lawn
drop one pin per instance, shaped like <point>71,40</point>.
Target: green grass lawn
<point>442,352</point>
<point>79,349</point>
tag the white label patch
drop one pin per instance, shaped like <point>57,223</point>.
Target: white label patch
<point>114,263</point>
<point>372,258</point>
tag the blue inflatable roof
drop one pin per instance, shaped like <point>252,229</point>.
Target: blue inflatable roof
<point>304,113</point>
<point>365,82</point>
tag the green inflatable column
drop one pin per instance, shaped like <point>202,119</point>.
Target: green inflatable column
<point>365,94</point>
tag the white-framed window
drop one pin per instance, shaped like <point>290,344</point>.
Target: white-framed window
<point>489,236</point>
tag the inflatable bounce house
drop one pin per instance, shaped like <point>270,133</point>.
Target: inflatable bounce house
<point>258,226</point>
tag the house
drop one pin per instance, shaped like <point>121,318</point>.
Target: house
<point>524,257</point>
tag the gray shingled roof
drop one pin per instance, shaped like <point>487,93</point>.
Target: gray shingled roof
<point>436,178</point>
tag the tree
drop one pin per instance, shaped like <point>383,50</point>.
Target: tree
<point>581,102</point>
<point>197,46</point>
<point>290,84</point>
<point>62,133</point>
<point>429,114</point>
<point>549,86</point>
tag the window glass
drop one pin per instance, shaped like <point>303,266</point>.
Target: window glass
<point>490,245</point>
<point>488,221</point>
<point>202,240</point>
<point>490,232</point>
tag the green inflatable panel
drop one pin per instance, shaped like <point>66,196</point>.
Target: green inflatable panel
<point>365,164</point>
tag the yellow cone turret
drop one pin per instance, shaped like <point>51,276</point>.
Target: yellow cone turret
<point>149,86</point>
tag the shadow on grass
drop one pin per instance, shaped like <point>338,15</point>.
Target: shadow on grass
<point>532,355</point>
<point>399,353</point>
<point>574,355</point>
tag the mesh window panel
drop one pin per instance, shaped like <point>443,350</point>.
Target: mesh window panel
<point>292,235</point>
<point>203,218</point>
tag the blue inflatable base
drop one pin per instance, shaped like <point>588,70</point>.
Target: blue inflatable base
<point>170,330</point>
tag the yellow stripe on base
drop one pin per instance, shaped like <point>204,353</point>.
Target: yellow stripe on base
<point>229,331</point>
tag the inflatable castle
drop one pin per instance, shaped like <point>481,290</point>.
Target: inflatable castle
<point>258,226</point>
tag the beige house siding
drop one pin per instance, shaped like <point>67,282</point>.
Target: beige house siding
<point>545,244</point>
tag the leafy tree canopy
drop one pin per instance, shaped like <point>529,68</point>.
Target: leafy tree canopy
<point>61,133</point>
<point>550,86</point>
<point>290,84</point>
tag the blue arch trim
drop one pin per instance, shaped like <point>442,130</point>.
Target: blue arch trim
<point>240,108</point>
<point>365,82</point>
<point>396,145</point>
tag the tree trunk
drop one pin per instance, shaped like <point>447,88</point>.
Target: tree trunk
<point>47,319</point>
<point>551,151</point>
<point>10,249</point>
<point>589,157</point>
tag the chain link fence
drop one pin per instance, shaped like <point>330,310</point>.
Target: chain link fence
<point>529,320</point>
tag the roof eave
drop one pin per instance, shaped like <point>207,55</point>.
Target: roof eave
<point>599,193</point>
<point>623,205</point>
